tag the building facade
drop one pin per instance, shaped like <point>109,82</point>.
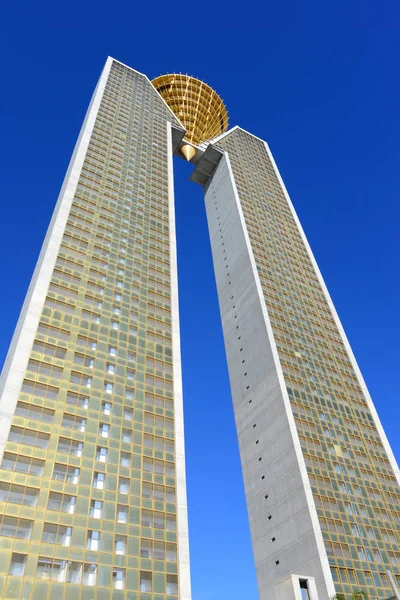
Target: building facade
<point>92,477</point>
<point>321,481</point>
<point>92,471</point>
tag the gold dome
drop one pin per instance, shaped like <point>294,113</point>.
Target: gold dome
<point>198,107</point>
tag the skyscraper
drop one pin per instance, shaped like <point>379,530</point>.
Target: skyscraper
<point>92,475</point>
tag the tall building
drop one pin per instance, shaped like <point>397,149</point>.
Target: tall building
<point>92,472</point>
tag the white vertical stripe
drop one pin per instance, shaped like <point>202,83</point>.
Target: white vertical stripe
<point>181,501</point>
<point>24,335</point>
<point>292,425</point>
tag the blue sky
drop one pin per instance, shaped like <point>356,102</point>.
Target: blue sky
<point>320,84</point>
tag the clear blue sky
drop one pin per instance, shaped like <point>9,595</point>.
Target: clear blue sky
<point>320,82</point>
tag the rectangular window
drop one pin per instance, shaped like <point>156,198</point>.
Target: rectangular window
<point>99,481</point>
<point>22,464</point>
<point>108,387</point>
<point>125,459</point>
<point>146,582</point>
<point>172,585</point>
<point>17,565</point>
<point>118,579</point>
<point>31,411</point>
<point>106,408</point>
<point>123,485</point>
<point>128,414</point>
<point>56,534</point>
<point>96,507</point>
<point>120,544</point>
<point>39,390</point>
<point>127,436</point>
<point>101,454</point>
<point>89,575</point>
<point>93,540</point>
<point>15,528</point>
<point>73,422</point>
<point>61,502</point>
<point>18,435</point>
<point>66,473</point>
<point>18,494</point>
<point>104,430</point>
<point>78,400</point>
<point>122,513</point>
<point>72,447</point>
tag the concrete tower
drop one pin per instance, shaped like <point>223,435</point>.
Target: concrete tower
<point>92,472</point>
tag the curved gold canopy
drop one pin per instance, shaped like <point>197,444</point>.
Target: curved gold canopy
<point>198,107</point>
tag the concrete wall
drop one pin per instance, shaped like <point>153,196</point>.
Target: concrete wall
<point>278,494</point>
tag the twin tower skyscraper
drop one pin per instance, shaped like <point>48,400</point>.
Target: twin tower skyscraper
<point>92,462</point>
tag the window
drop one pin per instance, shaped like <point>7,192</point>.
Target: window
<point>120,544</point>
<point>96,507</point>
<point>112,351</point>
<point>22,464</point>
<point>104,430</point>
<point>77,400</point>
<point>147,518</point>
<point>146,583</point>
<point>61,502</point>
<point>123,485</point>
<point>108,387</point>
<point>171,555</point>
<point>80,379</point>
<point>110,368</point>
<point>122,513</point>
<point>56,534</point>
<point>39,390</point>
<point>89,575</point>
<point>128,414</point>
<point>30,411</point>
<point>69,446</point>
<point>127,436</point>
<point>170,523</point>
<point>18,494</point>
<point>101,454</point>
<point>172,585</point>
<point>17,565</point>
<point>65,473</point>
<point>361,553</point>
<point>129,394</point>
<point>73,422</point>
<point>115,325</point>
<point>93,540</point>
<point>145,549</point>
<point>304,589</point>
<point>29,437</point>
<point>125,459</point>
<point>99,481</point>
<point>82,359</point>
<point>15,528</point>
<point>158,551</point>
<point>74,572</point>
<point>44,568</point>
<point>118,579</point>
<point>106,408</point>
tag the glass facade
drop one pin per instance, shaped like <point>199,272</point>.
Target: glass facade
<point>88,481</point>
<point>354,487</point>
